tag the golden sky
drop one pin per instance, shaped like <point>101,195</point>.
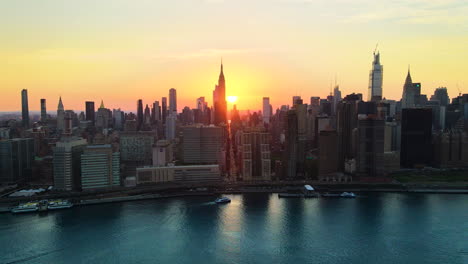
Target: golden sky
<point>123,50</point>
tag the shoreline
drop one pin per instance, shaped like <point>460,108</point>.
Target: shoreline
<point>154,196</point>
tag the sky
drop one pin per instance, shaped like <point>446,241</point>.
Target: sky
<point>122,50</point>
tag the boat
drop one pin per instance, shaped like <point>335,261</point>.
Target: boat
<point>348,195</point>
<point>59,204</point>
<point>222,200</point>
<point>26,207</point>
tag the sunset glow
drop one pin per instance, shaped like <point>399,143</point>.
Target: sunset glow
<point>84,50</point>
<point>232,99</point>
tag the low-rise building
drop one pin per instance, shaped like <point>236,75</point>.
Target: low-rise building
<point>185,174</point>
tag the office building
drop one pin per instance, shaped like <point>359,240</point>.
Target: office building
<point>90,111</point>
<point>103,117</point>
<point>370,147</point>
<point>100,167</point>
<point>254,154</point>
<point>172,101</point>
<point>416,137</point>
<point>201,144</point>
<point>156,111</point>
<point>164,109</point>
<point>25,108</point>
<point>266,110</point>
<point>375,79</point>
<point>441,95</point>
<point>43,110</point>
<point>328,153</point>
<point>171,120</point>
<point>16,159</point>
<point>137,147</point>
<point>139,114</point>
<point>346,124</point>
<point>67,163</point>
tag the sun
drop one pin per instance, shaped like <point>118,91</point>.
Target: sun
<point>232,99</point>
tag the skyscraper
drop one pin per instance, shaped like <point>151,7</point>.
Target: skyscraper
<point>219,100</point>
<point>254,154</point>
<point>164,109</point>
<point>172,101</point>
<point>375,79</point>
<point>266,112</point>
<point>43,110</point>
<point>90,112</point>
<point>411,93</point>
<point>25,108</point>
<point>67,163</point>
<point>416,137</point>
<point>16,159</point>
<point>60,116</point>
<point>441,95</point>
<point>139,114</point>
<point>370,147</point>
<point>156,111</point>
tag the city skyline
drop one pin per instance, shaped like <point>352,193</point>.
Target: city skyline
<point>138,48</point>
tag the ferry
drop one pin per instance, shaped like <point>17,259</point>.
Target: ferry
<point>26,207</point>
<point>348,195</point>
<point>222,200</point>
<point>59,204</point>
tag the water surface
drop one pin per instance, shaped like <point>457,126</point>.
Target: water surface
<point>253,228</point>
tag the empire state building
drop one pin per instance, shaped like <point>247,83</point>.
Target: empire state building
<point>219,100</point>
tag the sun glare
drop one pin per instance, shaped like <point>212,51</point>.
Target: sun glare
<point>232,99</point>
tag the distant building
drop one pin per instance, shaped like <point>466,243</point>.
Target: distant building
<point>219,100</point>
<point>201,144</point>
<point>103,117</point>
<point>416,141</point>
<point>411,93</point>
<point>183,174</point>
<point>171,120</point>
<point>43,110</point>
<point>172,101</point>
<point>375,79</point>
<point>67,163</point>
<point>25,108</point>
<point>139,114</point>
<point>60,116</point>
<point>100,167</point>
<point>16,159</point>
<point>266,112</point>
<point>90,111</point>
<point>441,95</point>
<point>164,109</point>
<point>254,154</point>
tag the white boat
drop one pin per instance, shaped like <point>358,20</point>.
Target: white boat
<point>223,200</point>
<point>348,195</point>
<point>25,208</point>
<point>59,204</point>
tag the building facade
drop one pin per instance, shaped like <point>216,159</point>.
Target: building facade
<point>100,167</point>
